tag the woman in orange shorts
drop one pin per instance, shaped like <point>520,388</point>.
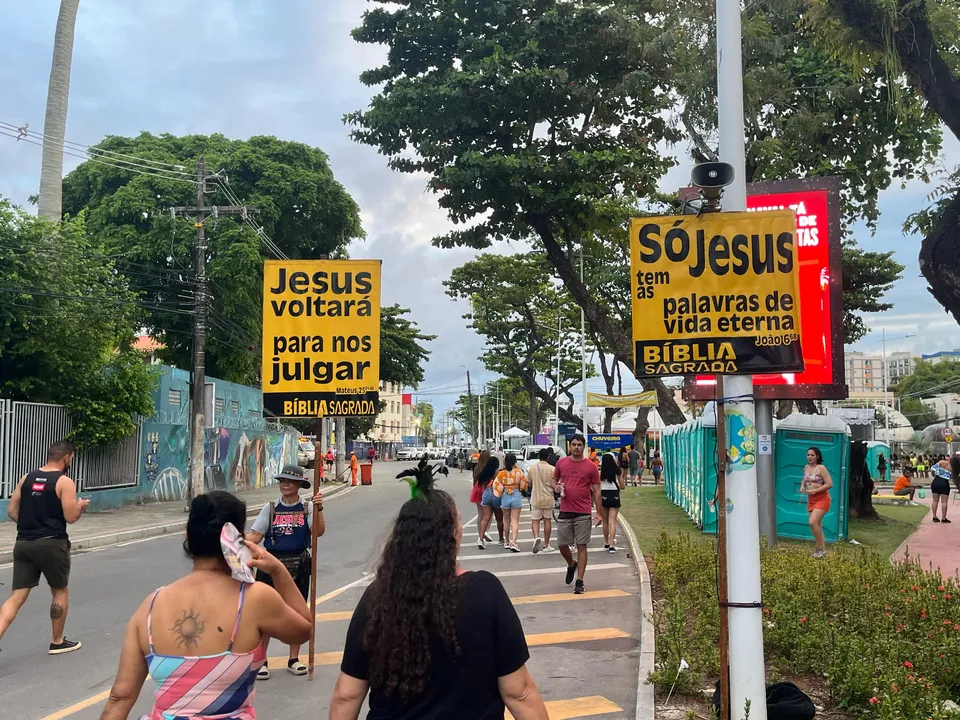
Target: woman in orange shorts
<point>816,486</point>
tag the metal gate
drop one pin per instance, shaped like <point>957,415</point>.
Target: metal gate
<point>28,429</point>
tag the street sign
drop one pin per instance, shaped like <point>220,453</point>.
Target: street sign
<point>948,438</point>
<point>321,338</point>
<point>945,432</point>
<point>816,202</point>
<point>765,444</point>
<point>716,293</point>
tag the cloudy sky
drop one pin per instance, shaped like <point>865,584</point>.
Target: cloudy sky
<point>289,68</point>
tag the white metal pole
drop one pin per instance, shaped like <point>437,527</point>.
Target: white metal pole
<point>747,677</point>
<point>583,356</point>
<point>556,424</point>
<point>886,399</point>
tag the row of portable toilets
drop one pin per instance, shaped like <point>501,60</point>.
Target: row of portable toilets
<point>689,453</point>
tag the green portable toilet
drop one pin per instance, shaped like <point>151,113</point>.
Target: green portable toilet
<point>795,434</point>
<point>875,449</point>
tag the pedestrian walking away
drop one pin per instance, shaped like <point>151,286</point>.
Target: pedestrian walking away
<point>944,472</point>
<point>623,461</point>
<point>611,483</point>
<point>816,486</point>
<point>201,638</point>
<point>371,454</point>
<point>656,466</point>
<point>476,494</point>
<point>285,526</point>
<point>636,465</point>
<point>328,459</point>
<point>578,481</point>
<point>489,502</point>
<point>540,481</point>
<point>508,486</point>
<point>882,468</point>
<point>428,639</point>
<point>43,504</point>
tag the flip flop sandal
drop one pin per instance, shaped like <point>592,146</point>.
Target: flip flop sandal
<point>263,673</point>
<point>297,668</point>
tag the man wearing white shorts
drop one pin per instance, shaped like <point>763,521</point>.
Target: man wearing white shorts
<point>540,481</point>
<point>578,481</point>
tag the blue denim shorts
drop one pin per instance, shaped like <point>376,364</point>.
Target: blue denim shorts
<point>513,501</point>
<point>489,499</point>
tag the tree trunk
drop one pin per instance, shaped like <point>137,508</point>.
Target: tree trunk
<point>930,75</point>
<point>534,410</point>
<point>619,342</point>
<point>55,118</point>
<point>861,484</point>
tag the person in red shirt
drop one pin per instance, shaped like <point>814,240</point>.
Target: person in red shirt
<point>371,454</point>
<point>577,480</point>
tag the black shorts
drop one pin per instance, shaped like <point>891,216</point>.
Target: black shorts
<point>49,557</point>
<point>302,579</point>
<point>610,498</point>
<point>940,486</point>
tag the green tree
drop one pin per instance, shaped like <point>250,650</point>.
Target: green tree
<point>127,194</point>
<point>919,413</point>
<point>66,322</point>
<point>524,115</point>
<point>867,276</point>
<point>423,414</point>
<point>515,306</point>
<point>916,43</point>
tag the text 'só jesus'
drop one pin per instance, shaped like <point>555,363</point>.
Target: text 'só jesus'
<point>742,254</point>
<point>322,283</point>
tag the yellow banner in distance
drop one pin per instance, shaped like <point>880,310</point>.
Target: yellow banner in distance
<point>321,338</point>
<point>647,398</point>
<point>716,293</point>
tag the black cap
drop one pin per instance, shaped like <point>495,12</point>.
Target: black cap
<point>295,473</point>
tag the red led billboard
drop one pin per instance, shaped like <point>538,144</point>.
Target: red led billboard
<point>816,203</point>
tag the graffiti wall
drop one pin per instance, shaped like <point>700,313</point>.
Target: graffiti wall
<point>240,452</point>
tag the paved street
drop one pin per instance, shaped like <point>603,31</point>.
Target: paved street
<point>584,650</point>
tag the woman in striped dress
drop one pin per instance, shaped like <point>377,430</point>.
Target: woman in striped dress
<point>201,638</point>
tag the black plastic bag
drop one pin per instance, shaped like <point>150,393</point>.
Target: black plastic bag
<point>785,701</point>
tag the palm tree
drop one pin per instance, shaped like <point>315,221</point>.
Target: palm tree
<point>55,119</point>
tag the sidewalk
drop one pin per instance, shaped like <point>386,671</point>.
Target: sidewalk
<point>935,543</point>
<point>136,522</point>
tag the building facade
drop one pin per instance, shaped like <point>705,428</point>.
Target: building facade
<point>865,370</point>
<point>942,356</point>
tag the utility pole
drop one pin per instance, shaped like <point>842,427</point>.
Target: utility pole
<point>473,428</point>
<point>200,212</point>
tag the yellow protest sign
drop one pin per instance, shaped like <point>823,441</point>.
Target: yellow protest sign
<point>647,398</point>
<point>321,338</point>
<point>716,293</point>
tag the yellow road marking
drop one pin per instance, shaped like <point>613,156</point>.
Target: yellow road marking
<point>569,636</point>
<point>535,640</point>
<point>334,616</point>
<point>77,707</point>
<point>577,707</point>
<point>560,597</point>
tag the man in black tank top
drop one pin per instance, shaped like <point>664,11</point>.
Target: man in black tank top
<point>44,502</point>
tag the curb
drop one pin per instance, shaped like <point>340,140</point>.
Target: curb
<point>645,695</point>
<point>124,536</point>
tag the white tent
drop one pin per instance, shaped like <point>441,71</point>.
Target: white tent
<point>515,432</point>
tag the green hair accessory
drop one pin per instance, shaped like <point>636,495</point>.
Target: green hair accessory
<point>421,478</point>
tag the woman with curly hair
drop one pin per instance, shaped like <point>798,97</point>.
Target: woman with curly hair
<point>429,640</point>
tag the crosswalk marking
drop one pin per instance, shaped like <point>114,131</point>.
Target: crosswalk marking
<point>533,640</point>
<point>521,600</point>
<point>576,708</point>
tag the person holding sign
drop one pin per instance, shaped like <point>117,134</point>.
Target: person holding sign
<point>816,486</point>
<point>285,526</point>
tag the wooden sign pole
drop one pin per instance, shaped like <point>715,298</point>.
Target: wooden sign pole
<point>315,511</point>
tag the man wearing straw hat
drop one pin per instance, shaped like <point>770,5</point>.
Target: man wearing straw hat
<point>285,526</point>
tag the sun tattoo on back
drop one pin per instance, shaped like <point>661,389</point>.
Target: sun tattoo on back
<point>188,629</point>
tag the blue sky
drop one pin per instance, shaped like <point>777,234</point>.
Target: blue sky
<point>289,68</point>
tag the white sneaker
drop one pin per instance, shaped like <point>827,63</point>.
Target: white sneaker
<point>480,545</point>
<point>547,549</point>
<point>513,548</point>
<point>537,545</point>
<point>913,503</point>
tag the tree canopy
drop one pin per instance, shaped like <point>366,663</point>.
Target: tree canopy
<point>127,191</point>
<point>67,319</point>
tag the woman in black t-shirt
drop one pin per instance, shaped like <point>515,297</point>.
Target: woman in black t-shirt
<point>428,640</point>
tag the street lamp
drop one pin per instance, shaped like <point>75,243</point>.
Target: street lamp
<point>556,424</point>
<point>886,397</point>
